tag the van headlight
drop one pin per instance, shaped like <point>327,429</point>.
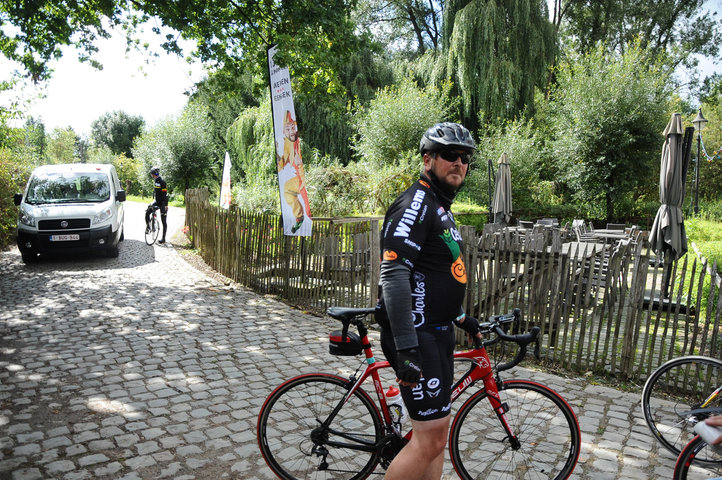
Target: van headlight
<point>26,218</point>
<point>102,216</point>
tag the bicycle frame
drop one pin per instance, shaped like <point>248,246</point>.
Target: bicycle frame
<point>479,370</point>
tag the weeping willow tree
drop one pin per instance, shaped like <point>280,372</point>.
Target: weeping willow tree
<point>496,52</point>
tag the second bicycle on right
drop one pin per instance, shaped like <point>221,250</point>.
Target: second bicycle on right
<point>680,393</point>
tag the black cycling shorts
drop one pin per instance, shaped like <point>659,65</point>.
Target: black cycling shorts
<point>431,398</point>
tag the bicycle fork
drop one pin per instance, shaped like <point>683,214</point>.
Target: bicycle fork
<point>492,386</point>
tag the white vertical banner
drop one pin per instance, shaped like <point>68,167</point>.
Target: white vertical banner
<point>225,198</point>
<point>295,208</point>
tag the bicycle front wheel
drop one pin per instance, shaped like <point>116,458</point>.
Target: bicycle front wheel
<point>673,391</point>
<point>297,445</point>
<point>543,422</point>
<point>698,461</point>
<point>151,234</point>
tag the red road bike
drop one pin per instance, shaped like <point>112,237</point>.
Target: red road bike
<point>325,426</point>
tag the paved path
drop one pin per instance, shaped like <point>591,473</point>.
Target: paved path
<point>145,367</point>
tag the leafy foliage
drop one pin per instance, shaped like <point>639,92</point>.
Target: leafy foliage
<point>182,148</point>
<point>523,144</point>
<point>13,176</point>
<point>117,130</point>
<point>607,115</point>
<point>42,27</point>
<point>678,28</point>
<point>393,123</point>
<point>62,146</point>
<point>496,53</point>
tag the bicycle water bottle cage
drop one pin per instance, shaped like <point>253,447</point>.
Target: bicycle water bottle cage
<point>345,347</point>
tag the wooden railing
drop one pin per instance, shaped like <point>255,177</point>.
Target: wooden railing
<point>599,311</point>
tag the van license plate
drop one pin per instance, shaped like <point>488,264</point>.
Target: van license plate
<point>64,238</point>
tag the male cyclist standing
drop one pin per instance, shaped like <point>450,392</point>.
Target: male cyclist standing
<point>423,279</point>
<point>160,192</point>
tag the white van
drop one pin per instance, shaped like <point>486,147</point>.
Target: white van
<point>70,208</point>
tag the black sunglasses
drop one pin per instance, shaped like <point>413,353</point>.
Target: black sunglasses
<point>451,156</point>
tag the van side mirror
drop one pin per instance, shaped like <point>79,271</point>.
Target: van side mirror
<point>120,195</point>
<point>18,198</point>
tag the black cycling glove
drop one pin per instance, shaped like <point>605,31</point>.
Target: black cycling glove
<point>470,325</point>
<point>408,365</point>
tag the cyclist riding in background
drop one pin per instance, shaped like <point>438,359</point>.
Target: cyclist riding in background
<point>423,279</point>
<point>160,193</point>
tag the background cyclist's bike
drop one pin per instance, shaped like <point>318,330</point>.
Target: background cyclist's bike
<point>680,393</point>
<point>324,426</point>
<point>153,226</point>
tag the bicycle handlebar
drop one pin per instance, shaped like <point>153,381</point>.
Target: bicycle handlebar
<point>523,340</point>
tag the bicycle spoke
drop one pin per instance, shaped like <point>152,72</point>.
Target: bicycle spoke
<point>543,423</point>
<point>296,446</point>
<point>671,394</point>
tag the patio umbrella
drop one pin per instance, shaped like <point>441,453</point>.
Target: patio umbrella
<point>501,203</point>
<point>668,237</point>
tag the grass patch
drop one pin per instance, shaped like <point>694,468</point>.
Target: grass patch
<point>175,201</point>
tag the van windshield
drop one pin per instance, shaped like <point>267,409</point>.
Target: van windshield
<point>68,187</point>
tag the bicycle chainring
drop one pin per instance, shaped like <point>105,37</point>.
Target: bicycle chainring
<point>390,447</point>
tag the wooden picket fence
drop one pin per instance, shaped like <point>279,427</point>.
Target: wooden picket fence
<point>598,306</point>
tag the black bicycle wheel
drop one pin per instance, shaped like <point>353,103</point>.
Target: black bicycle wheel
<point>672,391</point>
<point>151,234</point>
<point>295,445</point>
<point>543,422</point>
<point>698,461</point>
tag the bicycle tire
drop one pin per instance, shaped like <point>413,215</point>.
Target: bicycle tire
<point>297,407</point>
<point>543,421</point>
<point>152,235</point>
<point>698,461</point>
<point>670,390</point>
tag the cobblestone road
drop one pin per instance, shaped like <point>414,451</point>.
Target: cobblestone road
<point>145,367</point>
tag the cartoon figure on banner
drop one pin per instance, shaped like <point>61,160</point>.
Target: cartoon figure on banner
<point>290,173</point>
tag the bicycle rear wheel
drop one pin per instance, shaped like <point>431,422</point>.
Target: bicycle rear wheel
<point>672,391</point>
<point>698,461</point>
<point>151,235</point>
<point>296,445</point>
<point>543,422</point>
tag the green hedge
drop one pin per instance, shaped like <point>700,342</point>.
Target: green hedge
<point>12,180</point>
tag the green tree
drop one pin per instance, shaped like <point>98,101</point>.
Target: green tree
<point>182,148</point>
<point>252,146</point>
<point>35,136</point>
<point>496,53</point>
<point>224,95</point>
<point>607,115</point>
<point>406,27</point>
<point>679,30</point>
<point>314,38</point>
<point>117,130</point>
<point>62,146</point>
<point>392,125</point>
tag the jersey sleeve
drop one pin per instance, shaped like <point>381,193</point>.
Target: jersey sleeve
<point>406,227</point>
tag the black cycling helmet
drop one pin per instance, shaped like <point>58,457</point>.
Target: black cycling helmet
<point>446,134</point>
<point>155,171</point>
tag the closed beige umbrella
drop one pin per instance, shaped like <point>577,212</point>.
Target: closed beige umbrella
<point>668,236</point>
<point>501,203</point>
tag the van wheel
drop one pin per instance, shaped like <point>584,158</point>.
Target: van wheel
<point>29,257</point>
<point>112,252</point>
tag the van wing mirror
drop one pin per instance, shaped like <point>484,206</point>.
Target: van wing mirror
<point>120,195</point>
<point>18,198</point>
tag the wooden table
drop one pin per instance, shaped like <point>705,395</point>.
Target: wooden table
<point>609,235</point>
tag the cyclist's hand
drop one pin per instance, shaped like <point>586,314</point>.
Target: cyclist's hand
<point>408,367</point>
<point>469,324</point>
